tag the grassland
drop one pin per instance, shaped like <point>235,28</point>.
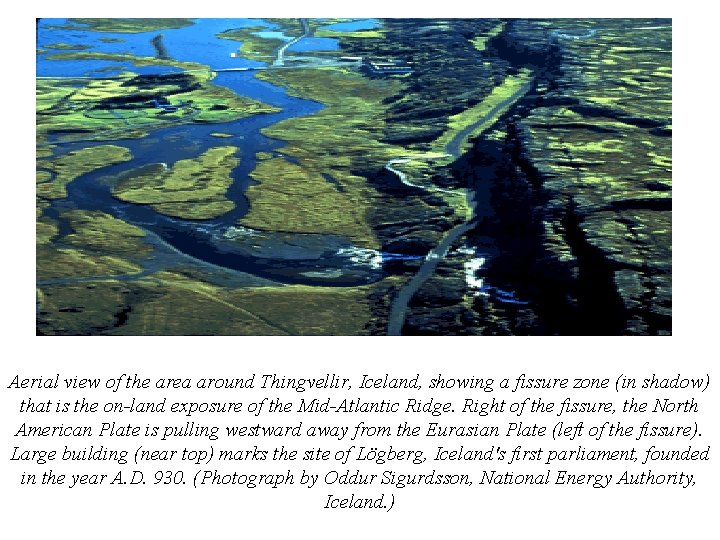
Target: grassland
<point>98,245</point>
<point>480,42</point>
<point>132,26</point>
<point>182,306</point>
<point>97,231</point>
<point>293,198</point>
<point>254,47</point>
<point>171,303</point>
<point>358,34</point>
<point>73,164</point>
<point>191,189</point>
<point>66,47</point>
<point>473,121</point>
<point>136,60</point>
<point>106,109</point>
<point>486,112</point>
<point>335,141</point>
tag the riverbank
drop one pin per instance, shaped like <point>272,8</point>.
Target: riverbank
<point>98,265</point>
<point>341,209</point>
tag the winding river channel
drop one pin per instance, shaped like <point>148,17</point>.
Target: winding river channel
<point>220,242</point>
<point>231,254</point>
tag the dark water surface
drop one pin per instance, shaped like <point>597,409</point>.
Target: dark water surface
<point>312,259</point>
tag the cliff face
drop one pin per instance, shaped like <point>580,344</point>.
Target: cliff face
<point>517,181</point>
<point>597,150</point>
<point>450,75</point>
<point>575,180</point>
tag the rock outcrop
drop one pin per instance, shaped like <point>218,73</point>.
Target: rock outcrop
<point>575,180</point>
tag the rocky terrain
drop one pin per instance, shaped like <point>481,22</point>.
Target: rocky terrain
<point>537,151</point>
<point>597,149</point>
<point>577,177</point>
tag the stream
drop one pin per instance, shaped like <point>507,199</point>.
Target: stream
<point>478,203</point>
<point>315,259</point>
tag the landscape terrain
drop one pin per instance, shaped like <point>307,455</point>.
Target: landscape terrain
<point>354,177</point>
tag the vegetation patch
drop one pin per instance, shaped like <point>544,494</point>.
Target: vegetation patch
<point>353,120</point>
<point>103,233</point>
<point>73,164</point>
<point>475,120</point>
<point>132,26</point>
<point>294,198</point>
<point>119,57</point>
<point>64,262</point>
<point>173,304</point>
<point>377,33</point>
<point>98,245</point>
<point>191,189</point>
<point>126,106</point>
<point>67,47</point>
<point>254,46</point>
<point>480,42</point>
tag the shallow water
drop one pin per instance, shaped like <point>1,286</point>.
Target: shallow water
<point>315,44</point>
<point>205,239</point>
<point>197,43</point>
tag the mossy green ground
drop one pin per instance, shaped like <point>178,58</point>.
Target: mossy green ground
<point>73,164</point>
<point>177,302</point>
<point>99,245</point>
<point>506,92</point>
<point>191,189</point>
<point>480,42</point>
<point>132,26</point>
<point>184,306</point>
<point>359,34</point>
<point>137,60</point>
<point>64,108</point>
<point>171,303</point>
<point>253,47</point>
<point>337,140</point>
<point>293,198</point>
<point>67,46</point>
<point>98,231</point>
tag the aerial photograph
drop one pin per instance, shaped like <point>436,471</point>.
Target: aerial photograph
<point>343,177</point>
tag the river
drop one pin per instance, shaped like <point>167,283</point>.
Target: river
<point>287,258</point>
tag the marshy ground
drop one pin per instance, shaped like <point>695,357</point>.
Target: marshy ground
<point>527,163</point>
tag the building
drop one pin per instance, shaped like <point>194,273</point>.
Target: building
<point>391,67</point>
<point>164,104</point>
